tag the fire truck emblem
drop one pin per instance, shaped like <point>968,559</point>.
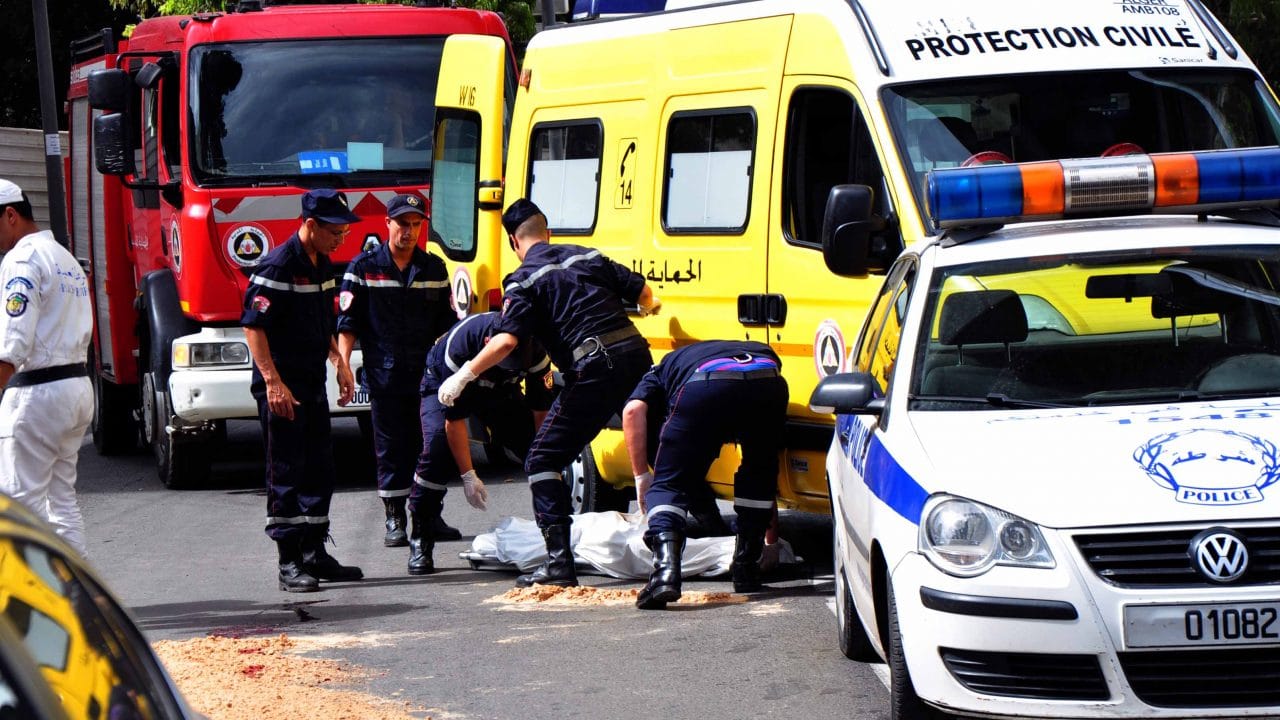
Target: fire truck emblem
<point>15,304</point>
<point>371,242</point>
<point>247,244</point>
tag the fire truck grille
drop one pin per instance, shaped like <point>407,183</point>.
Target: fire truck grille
<point>1162,557</point>
<point>1028,675</point>
<point>1205,678</point>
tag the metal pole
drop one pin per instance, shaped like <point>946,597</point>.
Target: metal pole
<point>548,13</point>
<point>49,123</point>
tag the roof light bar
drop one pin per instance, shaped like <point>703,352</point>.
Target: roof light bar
<point>1190,182</point>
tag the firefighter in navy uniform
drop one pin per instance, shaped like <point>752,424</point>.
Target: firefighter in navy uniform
<point>494,399</point>
<point>698,398</point>
<point>289,324</point>
<point>395,301</point>
<point>572,300</point>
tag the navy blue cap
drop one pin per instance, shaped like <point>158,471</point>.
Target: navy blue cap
<point>328,206</point>
<point>405,204</point>
<point>520,210</point>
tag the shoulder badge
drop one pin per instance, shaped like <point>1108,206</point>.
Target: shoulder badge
<point>260,303</point>
<point>345,298</point>
<point>19,281</point>
<point>15,304</point>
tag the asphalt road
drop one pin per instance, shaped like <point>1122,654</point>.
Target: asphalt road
<point>190,563</point>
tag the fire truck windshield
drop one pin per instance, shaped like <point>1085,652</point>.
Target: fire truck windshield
<point>1022,118</point>
<point>344,112</point>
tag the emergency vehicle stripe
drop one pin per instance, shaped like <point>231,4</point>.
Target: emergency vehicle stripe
<point>527,282</point>
<point>448,344</point>
<point>888,481</point>
<point>758,504</point>
<point>292,287</point>
<point>299,520</point>
<point>653,511</point>
<point>540,477</point>
<point>428,485</point>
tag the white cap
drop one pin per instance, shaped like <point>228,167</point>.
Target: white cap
<point>9,193</point>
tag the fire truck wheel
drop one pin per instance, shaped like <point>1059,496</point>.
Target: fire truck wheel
<point>115,431</point>
<point>180,462</point>
<point>588,492</point>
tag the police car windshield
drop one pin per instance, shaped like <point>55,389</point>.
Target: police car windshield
<point>358,112</point>
<point>1022,118</point>
<point>1102,329</point>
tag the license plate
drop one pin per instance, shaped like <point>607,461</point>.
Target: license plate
<point>1202,624</point>
<point>360,398</point>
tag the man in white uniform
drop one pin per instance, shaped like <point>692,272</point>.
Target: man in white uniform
<point>44,342</point>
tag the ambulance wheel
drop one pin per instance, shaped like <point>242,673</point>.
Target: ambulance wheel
<point>904,704</point>
<point>854,643</point>
<point>179,464</point>
<point>115,432</point>
<point>588,492</point>
<point>485,449</point>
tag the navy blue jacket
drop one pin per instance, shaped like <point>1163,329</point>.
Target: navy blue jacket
<point>528,362</point>
<point>660,386</point>
<point>291,300</point>
<point>564,294</point>
<point>395,315</point>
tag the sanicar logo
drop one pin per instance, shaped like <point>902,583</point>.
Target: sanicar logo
<point>1211,467</point>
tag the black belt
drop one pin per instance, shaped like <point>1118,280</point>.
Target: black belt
<point>733,374</point>
<point>592,345</point>
<point>48,375</point>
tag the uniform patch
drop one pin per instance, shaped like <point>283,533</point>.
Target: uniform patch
<point>345,298</point>
<point>549,380</point>
<point>506,303</point>
<point>260,303</point>
<point>19,281</point>
<point>15,304</point>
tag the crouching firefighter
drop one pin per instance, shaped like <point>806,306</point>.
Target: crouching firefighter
<point>289,324</point>
<point>697,399</point>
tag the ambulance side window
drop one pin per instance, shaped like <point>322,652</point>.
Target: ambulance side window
<point>879,344</point>
<point>455,172</point>
<point>707,179</point>
<point>827,144</point>
<point>564,173</point>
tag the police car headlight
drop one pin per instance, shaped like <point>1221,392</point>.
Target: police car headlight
<point>966,538</point>
<point>209,354</point>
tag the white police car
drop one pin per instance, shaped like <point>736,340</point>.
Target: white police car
<point>1054,476</point>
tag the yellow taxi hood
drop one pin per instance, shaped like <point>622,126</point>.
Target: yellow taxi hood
<point>1083,467</point>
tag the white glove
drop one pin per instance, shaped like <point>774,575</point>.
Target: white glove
<point>652,308</point>
<point>453,386</point>
<point>643,481</point>
<point>473,488</point>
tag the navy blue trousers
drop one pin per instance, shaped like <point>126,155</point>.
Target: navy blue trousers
<point>300,470</point>
<point>397,440</point>
<point>707,414</point>
<point>595,390</point>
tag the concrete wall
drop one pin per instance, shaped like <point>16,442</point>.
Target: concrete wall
<point>22,162</point>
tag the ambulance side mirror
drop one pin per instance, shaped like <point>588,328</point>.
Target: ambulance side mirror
<point>850,245</point>
<point>109,90</point>
<point>846,394</point>
<point>110,147</point>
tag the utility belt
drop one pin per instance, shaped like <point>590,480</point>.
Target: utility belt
<point>739,367</point>
<point>619,339</point>
<point>48,375</point>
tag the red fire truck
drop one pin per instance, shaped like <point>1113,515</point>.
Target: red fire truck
<point>192,142</point>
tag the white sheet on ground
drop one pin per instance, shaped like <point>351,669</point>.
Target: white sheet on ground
<point>610,542</point>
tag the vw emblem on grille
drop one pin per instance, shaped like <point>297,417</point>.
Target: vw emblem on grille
<point>1219,554</point>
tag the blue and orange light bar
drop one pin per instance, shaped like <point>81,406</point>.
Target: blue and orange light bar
<point>1191,182</point>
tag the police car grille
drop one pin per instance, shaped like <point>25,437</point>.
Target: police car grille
<point>1205,678</point>
<point>1028,675</point>
<point>1161,557</point>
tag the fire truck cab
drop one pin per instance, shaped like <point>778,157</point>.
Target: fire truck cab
<point>204,131</point>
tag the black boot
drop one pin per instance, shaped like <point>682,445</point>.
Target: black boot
<point>558,568</point>
<point>319,563</point>
<point>395,536</point>
<point>664,581</point>
<point>292,577</point>
<point>421,543</point>
<point>443,532</point>
<point>746,562</point>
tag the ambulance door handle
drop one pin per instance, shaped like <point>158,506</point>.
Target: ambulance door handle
<point>756,309</point>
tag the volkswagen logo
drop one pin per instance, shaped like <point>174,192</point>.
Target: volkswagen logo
<point>1219,554</point>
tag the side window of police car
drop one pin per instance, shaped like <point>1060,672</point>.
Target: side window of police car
<point>879,343</point>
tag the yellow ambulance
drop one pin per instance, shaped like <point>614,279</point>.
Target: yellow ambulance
<point>715,148</point>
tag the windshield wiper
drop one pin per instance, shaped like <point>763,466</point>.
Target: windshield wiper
<point>993,399</point>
